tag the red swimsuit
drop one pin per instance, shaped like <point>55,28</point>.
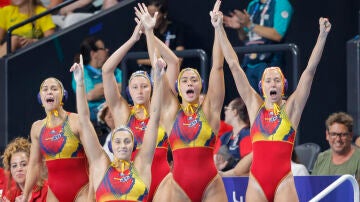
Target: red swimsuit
<point>66,161</point>
<point>192,142</point>
<point>273,139</point>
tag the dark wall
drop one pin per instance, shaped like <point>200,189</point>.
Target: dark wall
<point>54,56</point>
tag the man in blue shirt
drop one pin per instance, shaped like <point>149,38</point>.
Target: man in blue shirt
<point>264,22</point>
<point>94,55</point>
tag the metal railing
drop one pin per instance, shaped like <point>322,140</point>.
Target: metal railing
<point>29,20</point>
<point>189,53</point>
<point>337,183</point>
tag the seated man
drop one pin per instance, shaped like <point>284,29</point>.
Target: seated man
<point>342,157</point>
<point>95,54</point>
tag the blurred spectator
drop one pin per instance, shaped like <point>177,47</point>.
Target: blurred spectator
<point>342,157</point>
<point>105,118</point>
<point>169,32</point>
<point>95,54</point>
<point>76,12</point>
<point>2,182</point>
<point>235,144</point>
<point>264,22</point>
<point>18,11</point>
<point>15,160</point>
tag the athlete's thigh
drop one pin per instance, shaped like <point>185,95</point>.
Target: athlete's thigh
<point>215,191</point>
<point>286,190</point>
<point>254,192</point>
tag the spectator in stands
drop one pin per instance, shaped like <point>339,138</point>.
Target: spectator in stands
<point>357,141</point>
<point>57,139</point>
<point>15,160</point>
<point>342,157</point>
<point>17,12</point>
<point>264,22</point>
<point>297,168</point>
<point>169,32</point>
<point>2,182</point>
<point>235,144</point>
<point>105,118</point>
<point>75,12</point>
<point>95,54</point>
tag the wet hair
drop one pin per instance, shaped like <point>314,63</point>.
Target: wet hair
<point>17,145</point>
<point>342,118</point>
<point>162,5</point>
<point>240,107</point>
<point>88,45</point>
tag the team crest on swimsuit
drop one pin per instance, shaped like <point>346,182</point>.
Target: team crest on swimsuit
<point>52,142</point>
<point>188,127</point>
<point>121,184</point>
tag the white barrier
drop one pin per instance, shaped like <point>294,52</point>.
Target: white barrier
<point>335,184</point>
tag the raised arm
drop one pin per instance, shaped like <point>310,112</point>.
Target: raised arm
<point>94,152</point>
<point>145,156</point>
<point>117,104</point>
<point>172,61</point>
<point>296,102</point>
<point>248,94</point>
<point>35,161</point>
<point>216,92</point>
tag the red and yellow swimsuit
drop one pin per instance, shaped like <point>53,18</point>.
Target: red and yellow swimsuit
<point>66,161</point>
<point>121,186</point>
<point>192,142</point>
<point>160,166</point>
<point>273,138</point>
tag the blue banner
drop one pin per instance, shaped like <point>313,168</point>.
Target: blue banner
<point>307,187</point>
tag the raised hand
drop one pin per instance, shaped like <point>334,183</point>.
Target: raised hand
<point>139,29</point>
<point>325,25</point>
<point>143,14</point>
<point>78,70</point>
<point>243,17</point>
<point>216,15</point>
<point>160,66</point>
